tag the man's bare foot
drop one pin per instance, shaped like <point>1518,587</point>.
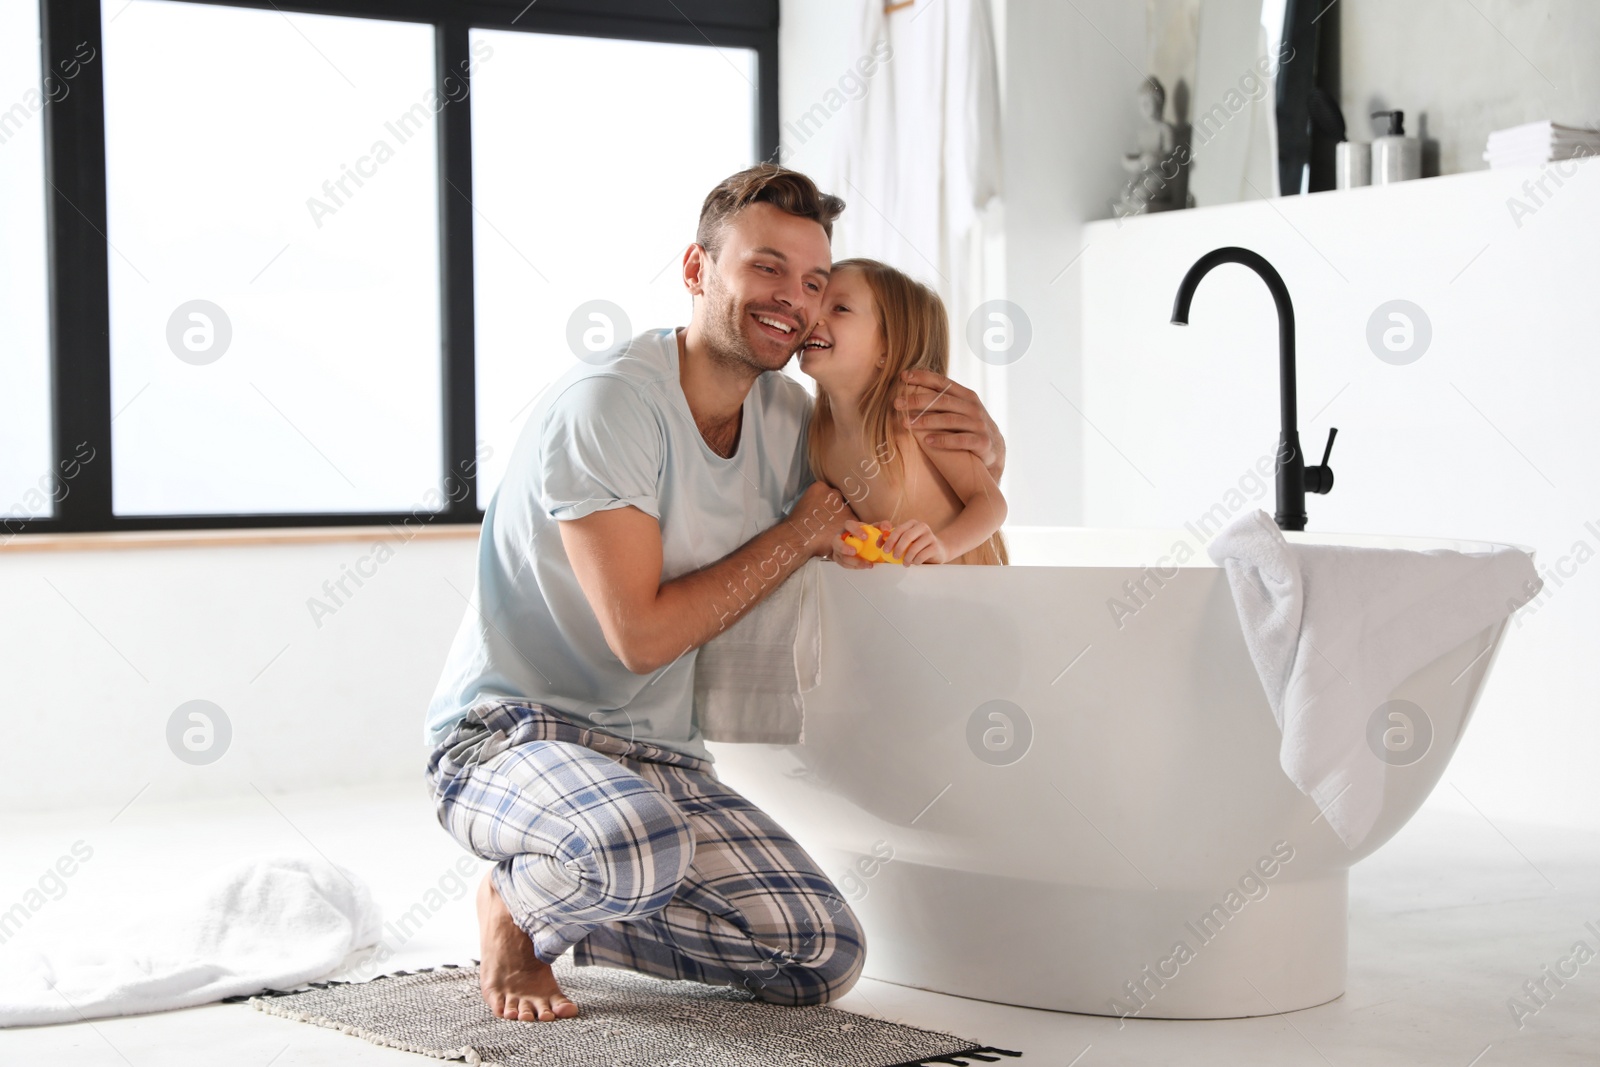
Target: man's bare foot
<point>516,984</point>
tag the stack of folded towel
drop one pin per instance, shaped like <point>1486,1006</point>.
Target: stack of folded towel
<point>1334,630</point>
<point>1538,143</point>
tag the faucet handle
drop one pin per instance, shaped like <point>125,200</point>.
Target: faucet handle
<point>1319,479</point>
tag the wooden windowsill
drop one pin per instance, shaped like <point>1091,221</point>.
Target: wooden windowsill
<point>286,535</point>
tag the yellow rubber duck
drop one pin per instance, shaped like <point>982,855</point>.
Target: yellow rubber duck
<point>868,549</point>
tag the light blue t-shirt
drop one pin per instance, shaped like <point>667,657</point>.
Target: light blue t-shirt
<point>608,435</point>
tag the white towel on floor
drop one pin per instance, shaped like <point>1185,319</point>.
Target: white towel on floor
<point>1334,630</point>
<point>750,679</point>
<point>264,924</point>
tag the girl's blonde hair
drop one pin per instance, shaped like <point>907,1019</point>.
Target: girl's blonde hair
<point>916,336</point>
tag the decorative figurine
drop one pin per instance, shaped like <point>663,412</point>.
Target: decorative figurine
<point>1158,167</point>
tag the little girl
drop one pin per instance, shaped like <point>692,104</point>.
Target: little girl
<point>937,506</point>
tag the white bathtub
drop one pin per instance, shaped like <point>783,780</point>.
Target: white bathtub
<point>1063,870</point>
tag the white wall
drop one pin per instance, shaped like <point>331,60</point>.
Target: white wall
<point>101,646</point>
<point>1490,434</point>
<point>1071,72</point>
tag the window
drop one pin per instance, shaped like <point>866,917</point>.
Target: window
<point>29,481</point>
<point>271,201</point>
<point>310,265</point>
<point>583,211</point>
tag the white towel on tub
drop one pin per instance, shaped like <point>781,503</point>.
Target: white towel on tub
<point>1334,630</point>
<point>262,924</point>
<point>749,679</point>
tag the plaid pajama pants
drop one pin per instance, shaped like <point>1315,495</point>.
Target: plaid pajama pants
<point>637,856</point>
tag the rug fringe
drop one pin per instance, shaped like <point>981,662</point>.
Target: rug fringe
<point>245,997</point>
<point>960,1059</point>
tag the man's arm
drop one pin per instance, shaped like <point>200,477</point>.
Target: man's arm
<point>945,415</point>
<point>616,555</point>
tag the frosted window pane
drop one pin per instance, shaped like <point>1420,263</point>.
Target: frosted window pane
<point>28,485</point>
<point>274,265</point>
<point>590,160</point>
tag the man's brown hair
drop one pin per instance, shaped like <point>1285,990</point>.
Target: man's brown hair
<point>788,190</point>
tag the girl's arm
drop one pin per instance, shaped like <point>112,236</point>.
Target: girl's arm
<point>984,513</point>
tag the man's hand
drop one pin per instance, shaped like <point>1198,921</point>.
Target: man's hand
<point>945,415</point>
<point>822,515</point>
<point>845,555</point>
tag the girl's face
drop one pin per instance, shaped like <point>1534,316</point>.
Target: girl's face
<point>845,351</point>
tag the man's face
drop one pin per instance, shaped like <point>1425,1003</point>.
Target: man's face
<point>762,293</point>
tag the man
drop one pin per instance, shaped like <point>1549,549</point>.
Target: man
<point>642,512</point>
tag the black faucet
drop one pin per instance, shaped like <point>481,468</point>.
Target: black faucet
<point>1295,479</point>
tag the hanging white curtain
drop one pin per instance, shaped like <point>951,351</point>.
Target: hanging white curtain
<point>919,163</point>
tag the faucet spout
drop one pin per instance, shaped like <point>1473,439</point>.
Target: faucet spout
<point>1294,477</point>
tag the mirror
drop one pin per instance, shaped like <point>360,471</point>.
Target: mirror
<point>1262,119</point>
<point>1233,135</point>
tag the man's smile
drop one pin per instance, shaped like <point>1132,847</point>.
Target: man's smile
<point>780,327</point>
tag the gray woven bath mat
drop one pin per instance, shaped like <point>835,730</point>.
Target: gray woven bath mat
<point>625,1020</point>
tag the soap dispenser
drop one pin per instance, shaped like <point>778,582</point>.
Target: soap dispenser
<point>1395,157</point>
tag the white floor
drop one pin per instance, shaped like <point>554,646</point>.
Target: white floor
<point>1447,922</point>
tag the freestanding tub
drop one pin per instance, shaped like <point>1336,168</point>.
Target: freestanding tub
<point>1032,799</point>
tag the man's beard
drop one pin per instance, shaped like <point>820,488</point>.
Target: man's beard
<point>726,325</point>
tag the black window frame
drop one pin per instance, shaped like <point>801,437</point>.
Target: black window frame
<point>75,214</point>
